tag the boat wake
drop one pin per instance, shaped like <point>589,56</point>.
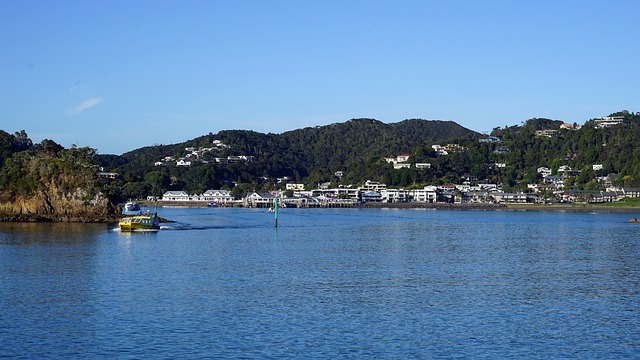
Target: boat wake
<point>136,231</point>
<point>205,227</point>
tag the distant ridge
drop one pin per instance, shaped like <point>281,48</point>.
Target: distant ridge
<point>359,134</point>
<point>331,145</point>
<point>353,143</point>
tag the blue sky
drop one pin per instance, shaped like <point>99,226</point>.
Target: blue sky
<point>120,75</point>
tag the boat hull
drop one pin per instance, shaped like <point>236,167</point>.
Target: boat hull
<point>147,221</point>
<point>136,227</point>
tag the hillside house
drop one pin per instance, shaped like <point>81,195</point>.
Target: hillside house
<point>401,166</point>
<point>544,171</point>
<point>403,157</point>
<point>294,187</point>
<point>398,159</point>
<point>490,139</point>
<point>488,187</point>
<point>568,126</point>
<point>609,121</point>
<point>440,151</point>
<point>546,133</point>
<point>219,144</point>
<point>451,148</point>
<point>108,176</point>
<point>240,158</point>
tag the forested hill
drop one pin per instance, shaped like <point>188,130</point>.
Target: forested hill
<point>303,149</point>
<point>341,143</point>
<point>360,139</point>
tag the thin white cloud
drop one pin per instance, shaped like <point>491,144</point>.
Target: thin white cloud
<point>85,105</point>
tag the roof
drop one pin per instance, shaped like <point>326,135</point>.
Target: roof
<point>176,193</point>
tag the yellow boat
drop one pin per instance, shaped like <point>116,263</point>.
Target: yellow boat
<point>145,220</point>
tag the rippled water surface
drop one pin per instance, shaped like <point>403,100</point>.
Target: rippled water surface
<point>328,283</point>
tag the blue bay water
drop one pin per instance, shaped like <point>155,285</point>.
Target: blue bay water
<point>328,283</point>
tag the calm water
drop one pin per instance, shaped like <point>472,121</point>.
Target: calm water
<point>343,283</point>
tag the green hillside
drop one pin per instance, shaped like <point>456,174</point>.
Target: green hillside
<point>305,155</point>
<point>243,160</point>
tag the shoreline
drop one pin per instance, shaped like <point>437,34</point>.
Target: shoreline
<point>441,206</point>
<point>110,219</point>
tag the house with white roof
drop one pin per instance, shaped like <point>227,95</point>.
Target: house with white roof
<point>440,151</point>
<point>259,199</point>
<point>402,166</point>
<point>544,171</point>
<point>398,159</point>
<point>609,121</point>
<point>175,196</point>
<point>218,196</point>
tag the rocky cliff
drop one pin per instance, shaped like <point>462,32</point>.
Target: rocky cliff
<point>59,207</point>
<point>53,184</point>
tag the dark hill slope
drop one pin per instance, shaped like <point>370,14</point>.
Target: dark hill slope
<point>300,151</point>
<point>338,144</point>
<point>359,139</point>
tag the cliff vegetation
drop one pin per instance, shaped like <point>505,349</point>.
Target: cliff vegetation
<point>45,182</point>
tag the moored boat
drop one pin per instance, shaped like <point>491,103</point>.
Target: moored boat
<point>145,220</point>
<point>131,206</point>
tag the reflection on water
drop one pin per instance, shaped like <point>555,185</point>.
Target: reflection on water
<point>48,233</point>
<point>326,283</point>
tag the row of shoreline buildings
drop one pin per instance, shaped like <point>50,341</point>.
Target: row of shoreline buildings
<point>376,192</point>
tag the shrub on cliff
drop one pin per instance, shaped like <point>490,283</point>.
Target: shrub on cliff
<point>48,180</point>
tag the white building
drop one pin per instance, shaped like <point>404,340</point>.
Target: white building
<point>175,196</point>
<point>373,186</point>
<point>295,187</point>
<point>395,195</point>
<point>401,166</point>
<point>544,171</point>
<point>426,195</point>
<point>259,199</point>
<point>218,196</point>
<point>440,151</point>
<point>608,121</point>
